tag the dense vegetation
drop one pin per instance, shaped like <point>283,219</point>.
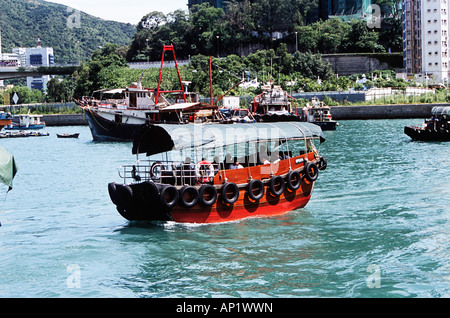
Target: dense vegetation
<point>245,25</point>
<point>204,31</point>
<point>22,21</point>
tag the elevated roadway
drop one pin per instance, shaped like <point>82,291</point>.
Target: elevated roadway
<point>19,72</point>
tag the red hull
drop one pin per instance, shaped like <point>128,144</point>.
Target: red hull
<point>226,213</point>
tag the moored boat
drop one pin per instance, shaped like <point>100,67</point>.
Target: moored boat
<point>27,122</point>
<point>436,128</point>
<point>117,114</point>
<point>274,104</point>
<point>319,114</point>
<point>190,176</point>
<point>5,119</point>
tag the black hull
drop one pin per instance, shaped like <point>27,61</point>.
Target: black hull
<point>266,118</point>
<point>139,202</point>
<point>105,130</point>
<point>421,134</point>
<point>326,125</point>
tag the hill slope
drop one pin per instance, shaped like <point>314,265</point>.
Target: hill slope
<point>72,35</point>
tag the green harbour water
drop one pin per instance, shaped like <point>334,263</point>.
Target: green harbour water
<point>377,225</point>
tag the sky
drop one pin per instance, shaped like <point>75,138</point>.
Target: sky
<point>130,11</point>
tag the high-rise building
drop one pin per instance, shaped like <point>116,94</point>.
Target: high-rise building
<point>425,39</point>
<point>345,9</point>
<point>36,56</point>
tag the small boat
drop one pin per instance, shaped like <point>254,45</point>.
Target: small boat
<point>436,128</point>
<point>27,122</point>
<point>5,119</point>
<point>68,135</point>
<point>319,114</point>
<point>213,173</point>
<point>23,134</point>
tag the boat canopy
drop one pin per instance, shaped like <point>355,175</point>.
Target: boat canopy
<point>440,110</point>
<point>158,138</point>
<point>8,168</point>
<point>187,107</point>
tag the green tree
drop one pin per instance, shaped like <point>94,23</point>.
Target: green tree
<point>89,78</point>
<point>311,66</point>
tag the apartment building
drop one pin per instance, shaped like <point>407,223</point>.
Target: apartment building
<point>426,52</point>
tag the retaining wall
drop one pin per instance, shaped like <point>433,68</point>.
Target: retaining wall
<point>65,120</point>
<point>383,111</point>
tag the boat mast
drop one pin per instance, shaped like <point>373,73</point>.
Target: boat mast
<point>171,49</point>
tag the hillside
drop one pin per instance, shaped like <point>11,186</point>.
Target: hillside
<point>23,20</point>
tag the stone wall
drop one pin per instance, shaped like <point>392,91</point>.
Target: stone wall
<point>404,111</point>
<point>348,64</point>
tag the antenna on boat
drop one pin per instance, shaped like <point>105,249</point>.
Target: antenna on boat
<point>139,85</point>
<point>171,49</point>
<point>210,79</point>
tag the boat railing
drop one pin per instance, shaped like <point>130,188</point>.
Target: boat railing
<point>169,172</point>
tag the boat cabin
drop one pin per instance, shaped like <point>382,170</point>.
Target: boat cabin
<point>176,151</point>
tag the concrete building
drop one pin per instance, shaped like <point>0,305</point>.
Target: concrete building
<point>425,40</point>
<point>35,57</point>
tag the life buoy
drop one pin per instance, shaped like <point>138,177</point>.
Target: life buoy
<point>255,189</point>
<point>207,195</point>
<point>311,171</point>
<point>154,172</point>
<point>293,180</point>
<point>169,196</point>
<point>227,189</point>
<point>323,163</point>
<point>188,196</point>
<point>203,174</point>
<point>276,185</point>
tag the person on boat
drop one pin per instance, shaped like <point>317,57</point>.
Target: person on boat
<point>236,164</point>
<point>265,160</point>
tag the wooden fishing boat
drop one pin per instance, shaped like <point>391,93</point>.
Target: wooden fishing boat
<point>436,128</point>
<point>273,170</point>
<point>117,114</point>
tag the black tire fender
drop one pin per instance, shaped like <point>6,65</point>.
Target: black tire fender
<point>192,192</point>
<point>273,185</point>
<point>293,180</point>
<point>169,196</point>
<point>207,189</point>
<point>255,184</point>
<point>311,171</point>
<point>230,187</point>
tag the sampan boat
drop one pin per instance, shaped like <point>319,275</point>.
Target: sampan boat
<point>436,128</point>
<point>212,173</point>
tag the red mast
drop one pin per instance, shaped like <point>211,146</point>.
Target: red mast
<point>171,49</point>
